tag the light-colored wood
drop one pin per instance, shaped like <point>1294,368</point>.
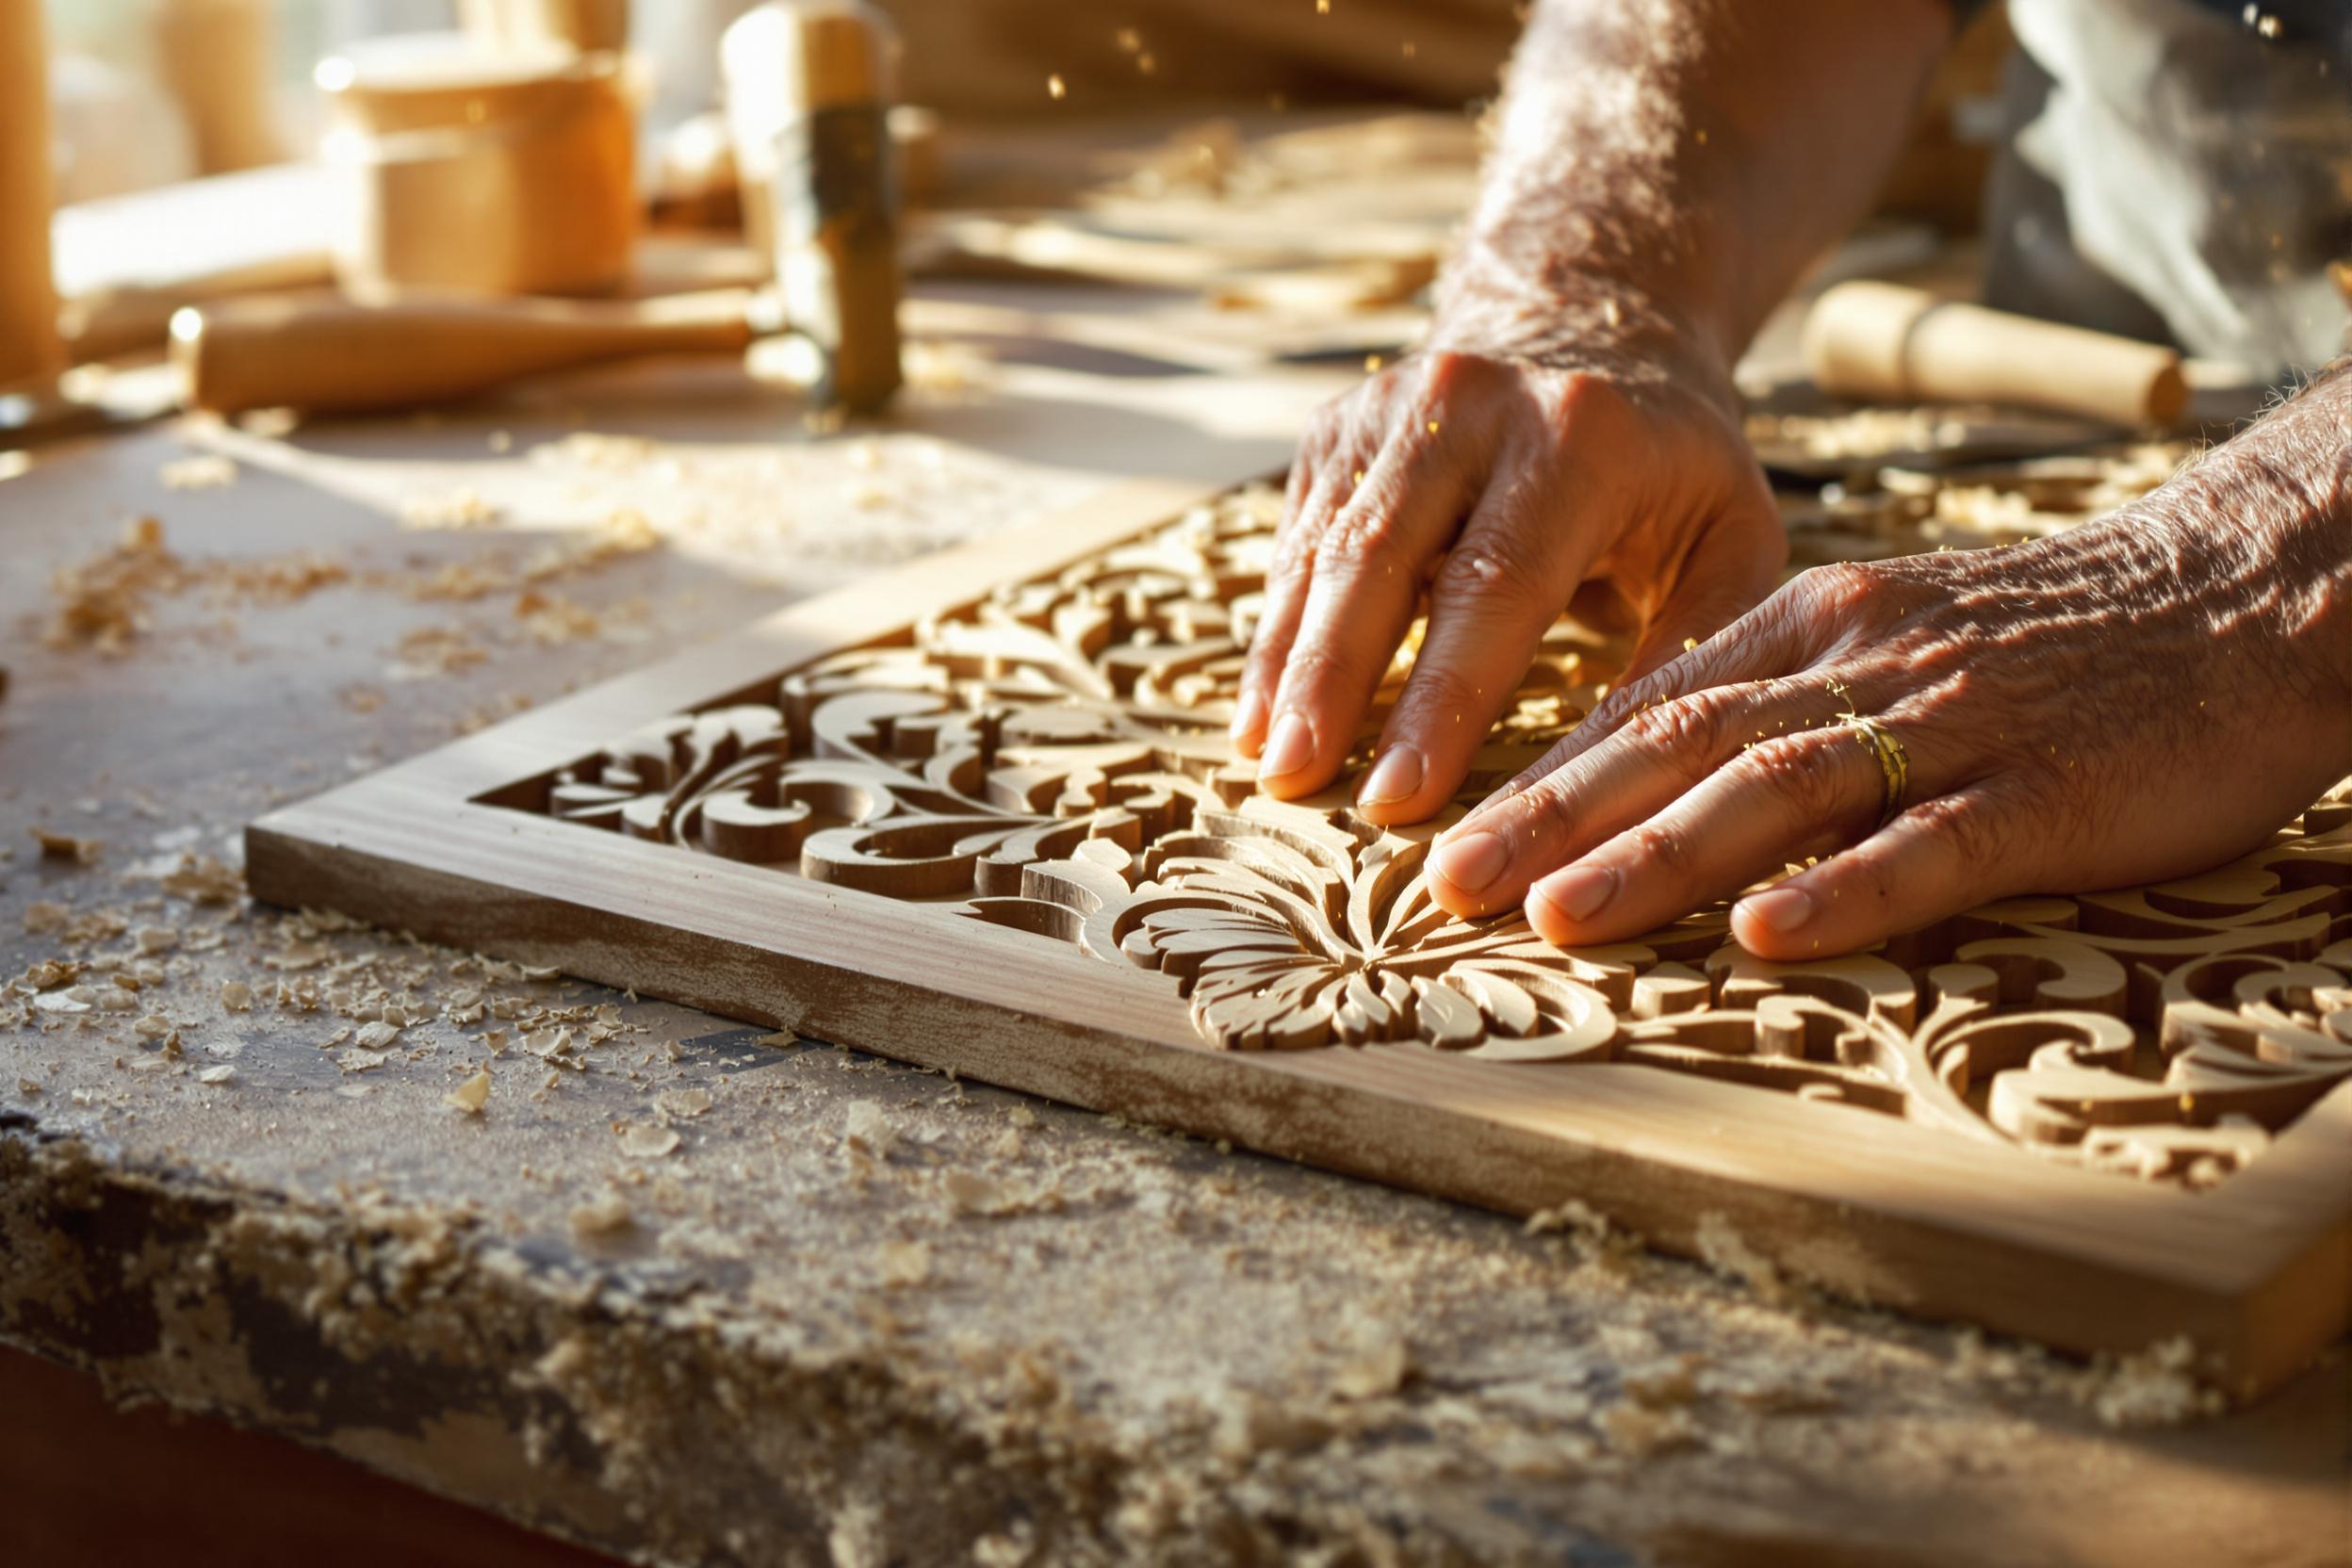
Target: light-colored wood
<point>481,170</point>
<point>29,346</point>
<point>1887,342</point>
<point>214,58</point>
<point>583,24</point>
<point>809,90</point>
<point>324,354</point>
<point>979,814</point>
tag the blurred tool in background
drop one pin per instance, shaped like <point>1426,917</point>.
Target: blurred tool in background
<point>480,167</point>
<point>30,350</point>
<point>326,356</point>
<point>214,58</point>
<point>809,90</point>
<point>474,176</point>
<point>1880,342</point>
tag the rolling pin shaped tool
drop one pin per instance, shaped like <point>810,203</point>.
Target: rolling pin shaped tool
<point>809,90</point>
<point>325,354</point>
<point>1889,343</point>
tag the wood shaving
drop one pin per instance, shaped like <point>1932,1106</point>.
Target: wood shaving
<point>590,449</point>
<point>202,880</point>
<point>684,1102</point>
<point>433,650</point>
<point>647,1141</point>
<point>471,1095</point>
<point>105,603</point>
<point>905,1263</point>
<point>1723,1249</point>
<point>866,1127</point>
<point>64,846</point>
<point>203,471</point>
<point>2156,1387</point>
<point>603,1219</point>
<point>1378,1368</point>
<point>454,509</point>
<point>553,619</point>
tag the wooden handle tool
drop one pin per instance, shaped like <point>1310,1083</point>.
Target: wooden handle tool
<point>1889,343</point>
<point>323,353</point>
<point>809,90</point>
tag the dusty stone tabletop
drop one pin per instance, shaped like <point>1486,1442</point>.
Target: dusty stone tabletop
<point>692,1294</point>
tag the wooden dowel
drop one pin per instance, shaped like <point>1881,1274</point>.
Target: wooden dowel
<point>1889,343</point>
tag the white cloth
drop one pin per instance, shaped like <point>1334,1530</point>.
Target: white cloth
<point>2179,171</point>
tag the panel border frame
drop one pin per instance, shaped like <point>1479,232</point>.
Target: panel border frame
<point>2257,1272</point>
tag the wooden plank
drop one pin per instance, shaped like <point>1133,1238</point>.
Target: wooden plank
<point>987,751</point>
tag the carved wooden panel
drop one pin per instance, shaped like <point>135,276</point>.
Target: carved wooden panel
<point>983,815</point>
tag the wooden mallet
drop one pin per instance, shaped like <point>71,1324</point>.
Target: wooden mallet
<point>809,90</point>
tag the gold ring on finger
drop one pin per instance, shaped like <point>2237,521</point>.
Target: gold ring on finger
<point>1894,763</point>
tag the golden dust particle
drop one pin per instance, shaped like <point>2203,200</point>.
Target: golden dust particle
<point>1146,64</point>
<point>1359,475</point>
<point>1702,137</point>
<point>1129,40</point>
<point>1690,643</point>
<point>1432,427</point>
<point>1322,7</point>
<point>1373,362</point>
<point>1054,87</point>
<point>1409,47</point>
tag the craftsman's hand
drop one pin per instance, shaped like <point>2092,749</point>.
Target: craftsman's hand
<point>2139,698</point>
<point>1501,485</point>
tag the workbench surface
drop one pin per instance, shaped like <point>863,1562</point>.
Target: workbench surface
<point>685,1292</point>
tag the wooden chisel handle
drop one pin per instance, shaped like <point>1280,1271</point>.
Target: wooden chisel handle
<point>327,354</point>
<point>1883,341</point>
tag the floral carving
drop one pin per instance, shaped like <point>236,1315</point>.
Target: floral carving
<point>1053,759</point>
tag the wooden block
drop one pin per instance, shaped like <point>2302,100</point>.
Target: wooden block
<point>980,815</point>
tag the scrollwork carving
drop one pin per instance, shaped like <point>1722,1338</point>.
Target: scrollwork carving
<point>1052,759</point>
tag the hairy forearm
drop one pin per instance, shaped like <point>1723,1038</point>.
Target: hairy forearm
<point>1665,169</point>
<point>2274,506</point>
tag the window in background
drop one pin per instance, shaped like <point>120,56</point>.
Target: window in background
<point>147,91</point>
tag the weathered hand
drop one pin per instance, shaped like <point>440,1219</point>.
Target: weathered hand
<point>1501,485</point>
<point>2141,697</point>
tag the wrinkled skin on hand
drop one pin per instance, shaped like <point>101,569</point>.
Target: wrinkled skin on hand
<point>2144,696</point>
<point>1499,485</point>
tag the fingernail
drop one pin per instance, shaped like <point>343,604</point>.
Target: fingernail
<point>1580,891</point>
<point>1248,715</point>
<point>1784,909</point>
<point>1395,777</point>
<point>1471,862</point>
<point>1290,747</point>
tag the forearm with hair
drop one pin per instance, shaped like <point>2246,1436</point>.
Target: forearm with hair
<point>2279,494</point>
<point>1664,170</point>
